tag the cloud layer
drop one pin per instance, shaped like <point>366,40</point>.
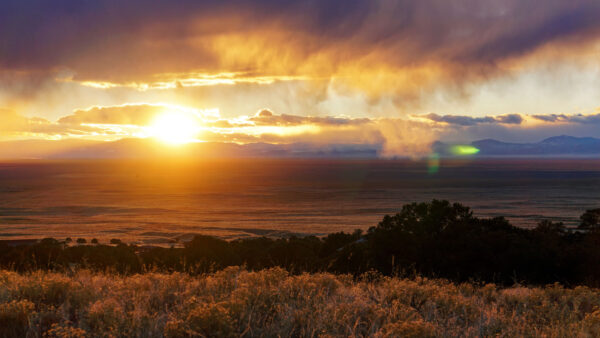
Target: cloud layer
<point>416,41</point>
<point>471,121</point>
<point>394,136</point>
<point>399,73</point>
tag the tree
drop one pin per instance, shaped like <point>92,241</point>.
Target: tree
<point>81,240</point>
<point>547,227</point>
<point>590,220</point>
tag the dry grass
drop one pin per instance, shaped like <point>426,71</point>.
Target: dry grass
<point>235,302</point>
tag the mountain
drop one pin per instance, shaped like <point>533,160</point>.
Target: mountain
<point>148,148</point>
<point>553,146</point>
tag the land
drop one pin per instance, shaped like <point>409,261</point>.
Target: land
<point>431,270</point>
<point>235,302</point>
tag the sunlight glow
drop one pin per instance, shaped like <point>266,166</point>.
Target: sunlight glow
<point>175,128</point>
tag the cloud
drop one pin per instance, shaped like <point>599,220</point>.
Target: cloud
<point>359,58</point>
<point>137,114</point>
<point>266,117</point>
<point>510,119</point>
<point>391,136</point>
<point>130,114</point>
<point>565,118</point>
<point>416,42</point>
<point>15,125</point>
<point>462,120</point>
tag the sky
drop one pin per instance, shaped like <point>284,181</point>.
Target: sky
<point>396,73</point>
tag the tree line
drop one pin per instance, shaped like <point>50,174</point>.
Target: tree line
<point>433,239</point>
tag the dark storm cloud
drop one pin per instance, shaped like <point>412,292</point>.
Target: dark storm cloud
<point>471,121</point>
<point>111,39</point>
<point>550,20</point>
<point>509,119</point>
<point>564,118</point>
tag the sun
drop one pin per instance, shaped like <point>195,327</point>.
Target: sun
<point>174,128</point>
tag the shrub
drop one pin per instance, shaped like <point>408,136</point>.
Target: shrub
<point>105,316</point>
<point>59,331</point>
<point>590,219</point>
<point>411,329</point>
<point>210,320</point>
<point>273,302</point>
<point>14,318</point>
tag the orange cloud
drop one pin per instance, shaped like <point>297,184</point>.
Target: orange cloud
<point>128,114</point>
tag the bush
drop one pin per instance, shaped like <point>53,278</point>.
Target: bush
<point>273,302</point>
<point>14,318</point>
<point>590,220</point>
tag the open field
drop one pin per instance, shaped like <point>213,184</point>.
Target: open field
<point>235,302</point>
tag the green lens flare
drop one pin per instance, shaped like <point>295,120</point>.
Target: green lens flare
<point>433,163</point>
<point>464,150</point>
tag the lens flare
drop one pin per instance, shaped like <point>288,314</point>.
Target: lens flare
<point>433,163</point>
<point>464,150</point>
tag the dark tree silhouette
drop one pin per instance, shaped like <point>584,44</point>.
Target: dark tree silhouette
<point>590,220</point>
<point>434,239</point>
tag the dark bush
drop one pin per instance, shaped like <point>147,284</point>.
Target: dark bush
<point>590,220</point>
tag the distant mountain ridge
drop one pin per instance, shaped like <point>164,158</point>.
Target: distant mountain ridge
<point>148,148</point>
<point>562,145</point>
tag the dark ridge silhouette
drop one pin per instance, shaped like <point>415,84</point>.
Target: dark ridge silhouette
<point>136,148</point>
<point>553,146</point>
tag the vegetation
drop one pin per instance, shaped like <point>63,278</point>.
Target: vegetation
<point>435,239</point>
<point>235,302</point>
<point>431,270</point>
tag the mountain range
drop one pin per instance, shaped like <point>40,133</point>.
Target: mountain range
<point>553,146</point>
<point>148,148</point>
<point>558,146</point>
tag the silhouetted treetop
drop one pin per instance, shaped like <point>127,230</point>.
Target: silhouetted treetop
<point>425,218</point>
<point>590,220</point>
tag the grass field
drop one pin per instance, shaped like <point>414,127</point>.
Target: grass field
<point>235,302</point>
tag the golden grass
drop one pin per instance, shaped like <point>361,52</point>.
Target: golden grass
<point>235,302</point>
